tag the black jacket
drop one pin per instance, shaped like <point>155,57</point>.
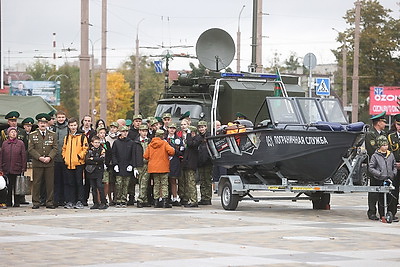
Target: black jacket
<point>95,162</point>
<point>190,156</point>
<point>123,155</point>
<point>138,152</point>
<point>204,156</point>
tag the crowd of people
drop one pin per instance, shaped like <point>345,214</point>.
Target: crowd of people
<point>70,159</point>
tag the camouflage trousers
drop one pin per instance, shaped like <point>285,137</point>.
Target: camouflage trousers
<point>160,185</point>
<point>205,174</point>
<point>189,190</point>
<point>131,187</point>
<point>144,178</point>
<point>121,188</point>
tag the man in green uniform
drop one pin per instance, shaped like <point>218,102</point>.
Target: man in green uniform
<point>42,147</point>
<point>377,129</point>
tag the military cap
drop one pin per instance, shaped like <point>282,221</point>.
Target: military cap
<point>115,124</point>
<point>100,128</point>
<point>240,116</point>
<point>153,121</point>
<point>12,115</point>
<point>185,115</point>
<point>52,113</point>
<point>159,133</point>
<point>43,117</point>
<point>396,118</point>
<point>128,122</point>
<point>143,127</point>
<point>172,125</point>
<point>382,141</point>
<point>201,123</point>
<point>159,119</point>
<point>192,128</point>
<point>379,117</point>
<point>150,118</point>
<point>28,120</point>
<point>166,115</point>
<point>124,128</point>
<point>137,117</point>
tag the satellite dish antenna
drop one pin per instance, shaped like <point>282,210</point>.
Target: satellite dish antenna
<point>215,49</point>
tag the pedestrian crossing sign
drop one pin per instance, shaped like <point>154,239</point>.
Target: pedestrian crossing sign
<point>323,86</point>
<point>158,66</point>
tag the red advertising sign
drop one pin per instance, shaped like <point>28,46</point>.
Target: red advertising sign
<point>383,98</point>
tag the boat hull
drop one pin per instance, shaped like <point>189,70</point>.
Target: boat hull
<point>297,155</point>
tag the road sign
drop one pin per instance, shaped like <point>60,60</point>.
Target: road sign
<point>323,86</point>
<point>310,61</point>
<point>158,66</point>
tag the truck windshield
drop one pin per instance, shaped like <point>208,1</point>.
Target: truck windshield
<point>177,110</point>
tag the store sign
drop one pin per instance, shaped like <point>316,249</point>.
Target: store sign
<point>384,98</point>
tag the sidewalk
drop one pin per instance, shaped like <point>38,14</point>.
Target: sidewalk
<point>256,234</point>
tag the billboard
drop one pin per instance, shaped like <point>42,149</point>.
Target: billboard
<point>48,90</point>
<point>383,98</point>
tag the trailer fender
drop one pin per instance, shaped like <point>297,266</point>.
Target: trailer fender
<point>235,181</point>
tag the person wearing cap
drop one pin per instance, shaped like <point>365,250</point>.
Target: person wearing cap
<point>74,150</point>
<point>123,162</point>
<point>60,169</point>
<point>133,134</point>
<point>240,116</point>
<point>394,146</point>
<point>52,121</point>
<point>166,120</point>
<point>12,163</point>
<point>12,118</point>
<point>188,194</point>
<point>186,116</point>
<point>175,163</point>
<point>153,127</point>
<point>42,147</point>
<point>382,167</point>
<point>377,129</point>
<point>204,166</point>
<point>27,123</point>
<point>113,133</point>
<point>157,154</point>
<point>140,145</point>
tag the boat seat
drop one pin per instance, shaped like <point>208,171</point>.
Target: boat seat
<point>328,126</point>
<point>355,126</point>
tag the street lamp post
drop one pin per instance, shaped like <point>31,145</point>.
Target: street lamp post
<point>238,42</point>
<point>137,70</point>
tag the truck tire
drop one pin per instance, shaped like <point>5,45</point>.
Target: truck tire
<point>229,201</point>
<point>321,201</point>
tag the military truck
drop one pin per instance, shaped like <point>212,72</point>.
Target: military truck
<point>239,92</point>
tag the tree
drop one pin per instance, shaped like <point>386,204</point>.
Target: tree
<point>151,84</point>
<point>379,43</point>
<point>40,70</point>
<point>292,63</point>
<point>119,96</point>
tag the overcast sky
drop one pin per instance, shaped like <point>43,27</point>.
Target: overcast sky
<point>290,26</point>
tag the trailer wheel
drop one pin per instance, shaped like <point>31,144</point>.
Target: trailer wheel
<point>229,201</point>
<point>363,176</point>
<point>321,201</point>
<point>340,176</point>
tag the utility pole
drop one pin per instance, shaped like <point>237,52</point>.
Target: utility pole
<point>137,69</point>
<point>253,64</point>
<point>344,72</point>
<point>103,72</point>
<point>238,42</point>
<point>84,59</point>
<point>259,37</point>
<point>354,113</point>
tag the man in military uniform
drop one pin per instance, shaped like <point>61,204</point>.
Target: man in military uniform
<point>133,134</point>
<point>166,119</point>
<point>394,146</point>
<point>204,166</point>
<point>42,147</point>
<point>12,117</point>
<point>377,129</point>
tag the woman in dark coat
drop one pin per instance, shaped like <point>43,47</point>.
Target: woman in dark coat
<point>12,162</point>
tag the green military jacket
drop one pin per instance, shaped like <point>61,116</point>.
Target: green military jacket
<point>39,146</point>
<point>370,140</point>
<point>394,145</point>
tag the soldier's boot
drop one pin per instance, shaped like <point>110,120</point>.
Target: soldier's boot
<point>165,203</point>
<point>158,203</point>
<point>131,200</point>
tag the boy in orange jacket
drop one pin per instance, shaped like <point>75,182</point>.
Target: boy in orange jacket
<point>157,154</point>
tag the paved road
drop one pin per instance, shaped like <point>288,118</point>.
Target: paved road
<point>273,233</point>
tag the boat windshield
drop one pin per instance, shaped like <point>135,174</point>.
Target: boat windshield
<point>333,111</point>
<point>282,111</point>
<point>309,110</point>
